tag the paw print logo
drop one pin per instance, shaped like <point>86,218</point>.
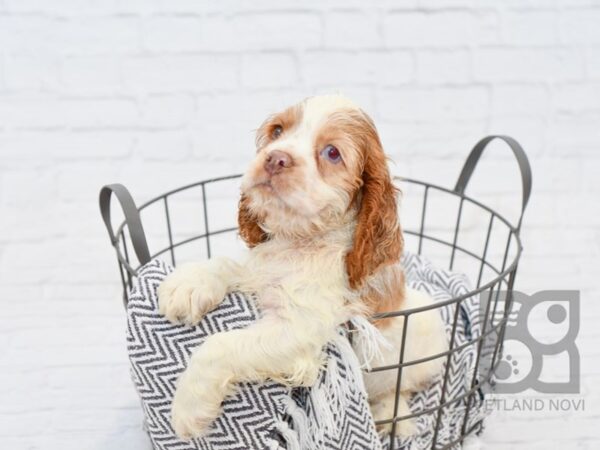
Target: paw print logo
<point>539,327</point>
<point>506,368</point>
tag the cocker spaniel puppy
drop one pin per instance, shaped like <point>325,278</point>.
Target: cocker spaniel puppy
<point>318,211</point>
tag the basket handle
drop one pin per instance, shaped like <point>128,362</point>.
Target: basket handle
<point>473,159</point>
<point>132,219</point>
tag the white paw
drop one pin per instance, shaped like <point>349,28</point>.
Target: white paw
<point>190,292</point>
<point>383,409</point>
<point>197,403</point>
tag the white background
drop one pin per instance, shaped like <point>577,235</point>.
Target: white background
<point>158,93</point>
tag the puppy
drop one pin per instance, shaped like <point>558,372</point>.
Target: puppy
<point>318,211</point>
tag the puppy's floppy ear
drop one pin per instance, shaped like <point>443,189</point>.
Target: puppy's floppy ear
<point>249,229</point>
<point>377,238</point>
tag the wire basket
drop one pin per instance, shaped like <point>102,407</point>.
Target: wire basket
<point>449,227</point>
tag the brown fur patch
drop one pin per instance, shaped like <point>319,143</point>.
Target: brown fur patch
<point>288,119</point>
<point>377,239</point>
<point>249,229</point>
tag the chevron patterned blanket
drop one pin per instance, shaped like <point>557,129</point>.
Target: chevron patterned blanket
<point>333,414</point>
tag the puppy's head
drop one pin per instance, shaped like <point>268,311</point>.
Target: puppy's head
<point>319,166</point>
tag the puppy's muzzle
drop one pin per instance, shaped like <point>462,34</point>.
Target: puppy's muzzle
<point>277,161</point>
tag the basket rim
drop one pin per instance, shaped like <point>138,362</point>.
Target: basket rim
<point>500,275</point>
<point>468,198</point>
<point>464,196</point>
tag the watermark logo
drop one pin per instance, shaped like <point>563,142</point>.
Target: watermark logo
<point>516,403</point>
<point>538,327</point>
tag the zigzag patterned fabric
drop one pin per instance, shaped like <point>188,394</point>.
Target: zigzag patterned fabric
<point>329,415</point>
<point>334,414</point>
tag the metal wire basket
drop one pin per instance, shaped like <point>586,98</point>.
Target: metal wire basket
<point>446,225</point>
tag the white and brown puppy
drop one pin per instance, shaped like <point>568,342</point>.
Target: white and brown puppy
<point>318,210</point>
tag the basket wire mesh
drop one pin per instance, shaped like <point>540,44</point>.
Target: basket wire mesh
<point>488,248</point>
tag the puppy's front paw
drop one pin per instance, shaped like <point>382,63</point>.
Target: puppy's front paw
<point>190,292</point>
<point>197,402</point>
<point>190,417</point>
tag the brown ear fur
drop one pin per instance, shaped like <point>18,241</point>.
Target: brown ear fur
<point>249,229</point>
<point>377,238</point>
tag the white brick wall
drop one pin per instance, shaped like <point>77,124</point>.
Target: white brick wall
<point>159,93</point>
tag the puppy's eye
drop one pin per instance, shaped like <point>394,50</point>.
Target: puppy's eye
<point>332,154</point>
<point>277,130</point>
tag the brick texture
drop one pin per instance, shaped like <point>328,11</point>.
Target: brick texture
<point>156,94</point>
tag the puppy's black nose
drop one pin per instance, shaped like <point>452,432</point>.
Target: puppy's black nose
<point>277,161</point>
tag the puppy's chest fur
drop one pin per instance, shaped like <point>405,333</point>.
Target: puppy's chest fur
<point>287,276</point>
